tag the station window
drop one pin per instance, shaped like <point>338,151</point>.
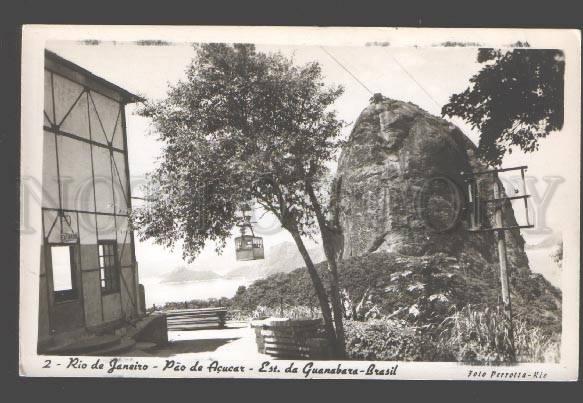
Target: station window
<point>108,266</point>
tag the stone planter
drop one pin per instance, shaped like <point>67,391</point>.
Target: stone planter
<point>257,325</point>
<point>290,338</point>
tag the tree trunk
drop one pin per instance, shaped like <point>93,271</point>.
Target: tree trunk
<point>320,292</point>
<point>332,241</point>
<point>330,252</point>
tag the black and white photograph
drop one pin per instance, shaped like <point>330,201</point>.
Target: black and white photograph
<point>262,202</point>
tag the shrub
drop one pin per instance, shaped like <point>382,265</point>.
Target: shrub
<point>390,340</point>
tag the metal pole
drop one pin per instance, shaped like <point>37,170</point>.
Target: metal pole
<point>500,236</point>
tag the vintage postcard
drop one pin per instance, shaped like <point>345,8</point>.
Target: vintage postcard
<point>262,202</point>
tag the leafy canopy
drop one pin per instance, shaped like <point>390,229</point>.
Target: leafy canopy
<point>516,99</point>
<point>242,126</point>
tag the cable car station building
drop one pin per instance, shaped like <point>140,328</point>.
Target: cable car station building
<point>88,274</point>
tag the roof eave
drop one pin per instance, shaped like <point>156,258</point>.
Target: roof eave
<point>125,95</point>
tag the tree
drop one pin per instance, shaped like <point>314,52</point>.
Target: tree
<point>516,99</point>
<point>243,126</point>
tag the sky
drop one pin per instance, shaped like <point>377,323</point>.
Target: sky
<point>424,76</point>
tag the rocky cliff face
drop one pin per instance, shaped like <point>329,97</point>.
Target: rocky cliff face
<point>401,188</point>
<point>400,191</point>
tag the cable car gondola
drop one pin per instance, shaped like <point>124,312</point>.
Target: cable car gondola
<point>248,246</point>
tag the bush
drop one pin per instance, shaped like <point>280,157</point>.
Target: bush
<point>482,337</point>
<point>390,340</point>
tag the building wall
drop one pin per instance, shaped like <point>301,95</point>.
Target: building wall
<point>85,177</point>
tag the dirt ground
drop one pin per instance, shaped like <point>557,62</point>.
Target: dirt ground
<point>237,339</point>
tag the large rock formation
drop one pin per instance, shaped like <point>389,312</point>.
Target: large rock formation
<point>401,187</point>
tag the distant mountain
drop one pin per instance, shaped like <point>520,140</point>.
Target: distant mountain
<point>249,272</point>
<point>185,275</point>
<point>285,257</point>
<point>280,258</point>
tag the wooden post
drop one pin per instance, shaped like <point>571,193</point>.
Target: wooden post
<point>500,237</point>
<point>281,307</point>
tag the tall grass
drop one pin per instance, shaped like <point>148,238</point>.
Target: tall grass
<point>533,345</point>
<point>483,337</point>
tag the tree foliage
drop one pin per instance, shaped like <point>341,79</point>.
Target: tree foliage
<point>516,99</point>
<point>242,126</point>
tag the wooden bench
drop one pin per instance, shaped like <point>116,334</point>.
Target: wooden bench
<point>195,319</point>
